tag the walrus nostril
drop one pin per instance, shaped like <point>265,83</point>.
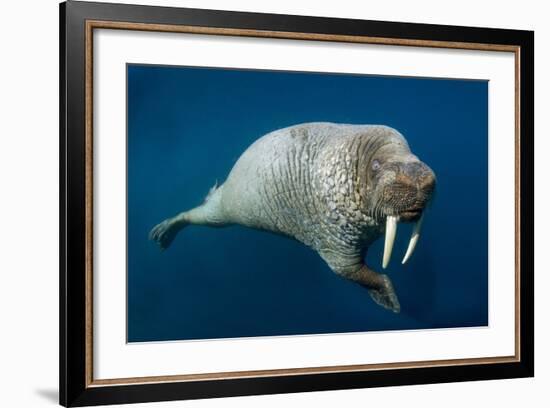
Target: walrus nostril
<point>403,179</point>
<point>413,169</point>
<point>427,183</point>
<point>417,175</point>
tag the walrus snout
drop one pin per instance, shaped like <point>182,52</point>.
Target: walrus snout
<point>405,198</point>
<point>409,192</point>
<point>419,175</point>
<point>416,176</point>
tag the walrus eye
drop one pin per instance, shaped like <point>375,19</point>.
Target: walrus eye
<point>375,165</point>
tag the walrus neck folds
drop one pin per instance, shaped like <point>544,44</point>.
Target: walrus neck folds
<point>344,191</point>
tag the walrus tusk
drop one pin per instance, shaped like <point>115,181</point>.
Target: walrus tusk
<point>391,230</point>
<point>414,239</point>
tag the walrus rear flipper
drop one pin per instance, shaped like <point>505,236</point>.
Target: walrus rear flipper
<point>208,213</point>
<point>165,232</point>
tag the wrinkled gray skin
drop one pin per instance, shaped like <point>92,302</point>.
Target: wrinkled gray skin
<point>329,186</point>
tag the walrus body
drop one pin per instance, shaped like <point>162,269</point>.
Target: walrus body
<point>336,188</point>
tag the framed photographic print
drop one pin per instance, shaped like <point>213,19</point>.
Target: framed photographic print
<point>255,203</point>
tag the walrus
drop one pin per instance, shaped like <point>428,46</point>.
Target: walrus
<point>334,187</point>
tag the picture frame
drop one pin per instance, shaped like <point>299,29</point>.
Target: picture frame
<point>79,21</point>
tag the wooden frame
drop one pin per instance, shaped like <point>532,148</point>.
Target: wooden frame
<point>77,384</point>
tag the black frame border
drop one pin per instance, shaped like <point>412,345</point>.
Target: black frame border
<point>73,389</point>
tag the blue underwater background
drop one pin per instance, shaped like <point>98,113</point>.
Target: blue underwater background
<point>186,129</point>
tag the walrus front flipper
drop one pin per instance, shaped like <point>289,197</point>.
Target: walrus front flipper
<point>385,295</point>
<point>379,286</point>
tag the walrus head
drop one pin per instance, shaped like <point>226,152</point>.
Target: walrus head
<point>399,188</point>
